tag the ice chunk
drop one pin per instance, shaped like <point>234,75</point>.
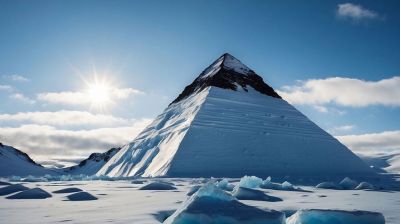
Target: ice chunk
<point>193,190</point>
<point>158,185</point>
<point>81,196</point>
<point>225,185</point>
<point>212,191</point>
<point>348,184</point>
<point>286,186</point>
<point>317,216</point>
<point>12,189</point>
<point>250,182</point>
<point>328,185</point>
<point>34,193</point>
<point>68,190</point>
<point>243,193</point>
<point>211,205</point>
<point>365,186</point>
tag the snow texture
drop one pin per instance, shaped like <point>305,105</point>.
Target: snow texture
<point>250,182</point>
<point>225,185</point>
<point>34,193</point>
<point>316,216</point>
<point>235,133</point>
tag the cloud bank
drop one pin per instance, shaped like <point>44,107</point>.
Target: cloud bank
<point>344,91</point>
<point>81,98</point>
<point>383,142</point>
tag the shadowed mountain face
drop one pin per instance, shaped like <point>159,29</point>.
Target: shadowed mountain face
<point>227,72</point>
<point>16,162</point>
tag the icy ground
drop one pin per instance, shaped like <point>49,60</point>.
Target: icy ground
<point>122,202</point>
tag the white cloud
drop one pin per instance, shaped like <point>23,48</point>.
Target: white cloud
<point>321,109</point>
<point>355,12</point>
<point>65,118</point>
<point>6,88</point>
<point>21,97</point>
<point>344,92</point>
<point>46,142</point>
<point>17,78</point>
<point>342,129</point>
<point>82,98</point>
<point>388,141</point>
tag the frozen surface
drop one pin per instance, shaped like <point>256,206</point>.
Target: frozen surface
<point>225,185</point>
<point>34,193</point>
<point>212,205</point>
<point>122,202</point>
<point>316,216</point>
<point>12,189</point>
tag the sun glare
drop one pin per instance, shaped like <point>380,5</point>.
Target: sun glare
<point>99,94</point>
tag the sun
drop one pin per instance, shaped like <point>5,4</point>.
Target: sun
<point>99,94</point>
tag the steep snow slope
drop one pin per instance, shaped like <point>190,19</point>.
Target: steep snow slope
<point>15,162</point>
<point>151,152</point>
<point>92,164</point>
<point>237,133</point>
<point>228,122</point>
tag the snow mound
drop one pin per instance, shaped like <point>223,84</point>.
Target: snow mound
<point>316,216</point>
<point>243,193</point>
<point>4,183</point>
<point>250,182</point>
<point>12,189</point>
<point>34,193</point>
<point>193,190</point>
<point>81,196</point>
<point>67,190</point>
<point>328,185</point>
<point>225,185</point>
<point>211,205</point>
<point>158,185</point>
<point>348,184</point>
<point>137,182</point>
<point>365,186</point>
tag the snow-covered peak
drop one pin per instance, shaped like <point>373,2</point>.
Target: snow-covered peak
<point>16,162</point>
<point>227,72</point>
<point>234,64</point>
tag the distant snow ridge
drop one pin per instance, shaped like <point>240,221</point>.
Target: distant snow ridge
<point>93,163</point>
<point>16,162</point>
<point>230,123</point>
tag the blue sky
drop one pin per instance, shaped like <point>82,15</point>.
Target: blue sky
<point>151,50</point>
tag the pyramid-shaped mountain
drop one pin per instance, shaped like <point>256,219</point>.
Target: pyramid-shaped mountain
<point>230,123</point>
